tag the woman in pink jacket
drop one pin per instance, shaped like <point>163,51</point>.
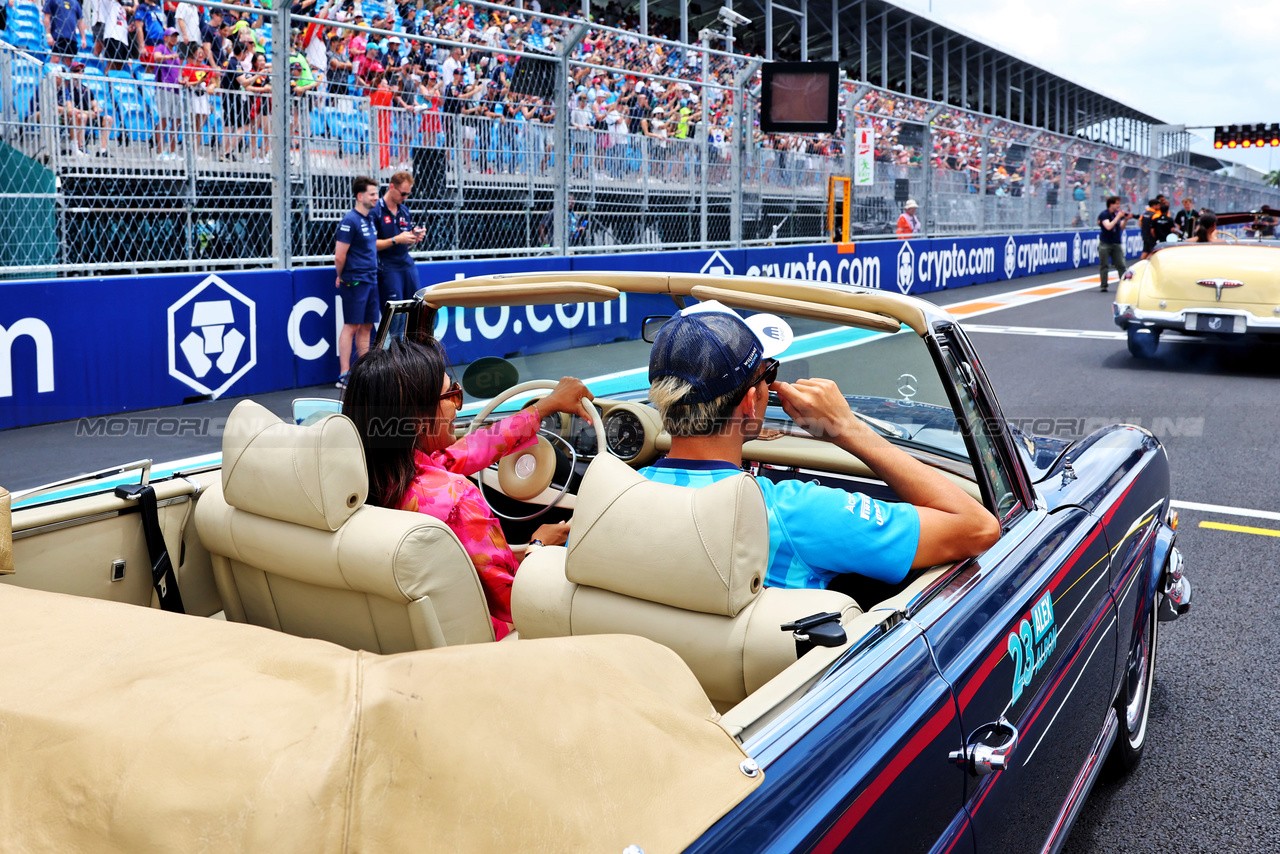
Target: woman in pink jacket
<point>403,403</point>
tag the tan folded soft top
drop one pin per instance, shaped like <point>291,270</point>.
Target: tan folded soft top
<point>127,729</point>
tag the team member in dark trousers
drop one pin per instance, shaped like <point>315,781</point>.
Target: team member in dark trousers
<point>1111,239</point>
<point>355,257</point>
<point>397,275</point>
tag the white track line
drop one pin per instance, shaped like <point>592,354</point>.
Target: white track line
<point>1096,334</point>
<point>1226,511</point>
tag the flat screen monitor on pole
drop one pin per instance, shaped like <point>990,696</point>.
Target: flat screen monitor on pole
<point>799,97</point>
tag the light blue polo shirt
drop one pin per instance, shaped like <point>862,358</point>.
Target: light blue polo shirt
<point>816,532</point>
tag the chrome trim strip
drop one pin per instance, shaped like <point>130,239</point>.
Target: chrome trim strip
<point>1083,784</point>
<point>96,517</point>
<point>144,465</point>
<point>1178,320</point>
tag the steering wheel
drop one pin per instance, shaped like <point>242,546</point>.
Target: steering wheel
<point>1227,237</point>
<point>526,474</point>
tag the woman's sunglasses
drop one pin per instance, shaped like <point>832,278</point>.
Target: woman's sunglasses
<point>454,394</point>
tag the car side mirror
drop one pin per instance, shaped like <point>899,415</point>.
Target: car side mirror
<point>649,330</point>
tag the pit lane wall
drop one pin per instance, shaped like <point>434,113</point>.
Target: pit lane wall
<point>85,347</point>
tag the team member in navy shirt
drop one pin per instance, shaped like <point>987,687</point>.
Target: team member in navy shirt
<point>397,275</point>
<point>1110,239</point>
<point>355,256</point>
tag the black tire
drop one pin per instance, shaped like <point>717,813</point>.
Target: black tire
<point>1133,706</point>
<point>1143,342</point>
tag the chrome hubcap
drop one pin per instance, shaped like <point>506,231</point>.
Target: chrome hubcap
<point>1140,674</point>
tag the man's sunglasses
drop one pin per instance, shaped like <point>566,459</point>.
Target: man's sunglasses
<point>454,394</point>
<point>767,376</point>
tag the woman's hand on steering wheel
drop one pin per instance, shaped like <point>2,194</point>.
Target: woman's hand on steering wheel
<point>566,397</point>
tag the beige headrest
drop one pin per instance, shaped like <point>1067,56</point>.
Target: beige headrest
<point>698,549</point>
<point>6,533</point>
<point>313,476</point>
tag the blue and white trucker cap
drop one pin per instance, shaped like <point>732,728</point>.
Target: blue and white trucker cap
<point>712,348</point>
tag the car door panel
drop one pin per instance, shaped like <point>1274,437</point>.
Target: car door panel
<point>860,762</point>
<point>70,546</point>
<point>1034,645</point>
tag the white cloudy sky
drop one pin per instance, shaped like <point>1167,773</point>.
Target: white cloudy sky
<point>1194,62</point>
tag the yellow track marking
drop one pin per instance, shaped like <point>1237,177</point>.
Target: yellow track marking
<point>1242,529</point>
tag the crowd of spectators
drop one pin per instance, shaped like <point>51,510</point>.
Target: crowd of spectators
<point>629,96</point>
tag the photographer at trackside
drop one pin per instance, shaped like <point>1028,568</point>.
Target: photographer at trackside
<point>1111,240</point>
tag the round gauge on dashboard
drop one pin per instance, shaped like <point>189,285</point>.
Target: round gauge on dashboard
<point>625,434</point>
<point>552,423</point>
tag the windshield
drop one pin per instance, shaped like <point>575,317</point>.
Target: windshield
<point>890,378</point>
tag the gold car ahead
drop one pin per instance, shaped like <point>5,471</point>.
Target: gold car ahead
<point>1225,289</point>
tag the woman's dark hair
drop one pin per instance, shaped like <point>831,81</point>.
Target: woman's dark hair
<point>1208,222</point>
<point>391,395</point>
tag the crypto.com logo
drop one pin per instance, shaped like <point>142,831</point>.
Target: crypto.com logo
<point>207,337</point>
<point>906,267</point>
<point>1010,258</point>
<point>1075,251</point>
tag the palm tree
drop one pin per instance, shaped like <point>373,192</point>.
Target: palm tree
<point>1272,178</point>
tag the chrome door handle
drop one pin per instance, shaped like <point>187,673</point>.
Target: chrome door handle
<point>980,756</point>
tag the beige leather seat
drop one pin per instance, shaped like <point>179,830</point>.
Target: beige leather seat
<point>296,549</point>
<point>680,566</point>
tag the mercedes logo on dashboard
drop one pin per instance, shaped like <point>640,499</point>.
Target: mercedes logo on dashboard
<point>908,386</point>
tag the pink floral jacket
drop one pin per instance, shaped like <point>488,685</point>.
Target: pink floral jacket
<point>441,489</point>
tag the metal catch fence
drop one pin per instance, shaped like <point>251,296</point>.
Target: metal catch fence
<point>129,167</point>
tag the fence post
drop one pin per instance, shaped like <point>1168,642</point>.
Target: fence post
<point>738,150</point>
<point>926,160</point>
<point>190,148</point>
<point>704,136</point>
<point>564,145</point>
<point>982,187</point>
<point>1028,149</point>
<point>281,177</point>
<point>7,110</point>
<point>564,141</point>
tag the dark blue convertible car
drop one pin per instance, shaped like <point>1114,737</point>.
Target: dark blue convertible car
<point>238,653</point>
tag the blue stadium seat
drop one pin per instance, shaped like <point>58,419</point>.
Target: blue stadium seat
<point>133,113</point>
<point>213,127</point>
<point>320,121</point>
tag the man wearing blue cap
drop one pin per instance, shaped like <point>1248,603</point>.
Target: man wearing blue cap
<point>710,375</point>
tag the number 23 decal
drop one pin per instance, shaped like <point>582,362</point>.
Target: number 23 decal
<point>1032,644</point>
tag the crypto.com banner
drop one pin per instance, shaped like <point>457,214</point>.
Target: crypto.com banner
<point>130,343</point>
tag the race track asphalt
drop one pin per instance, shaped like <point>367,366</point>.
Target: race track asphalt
<point>1210,778</point>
